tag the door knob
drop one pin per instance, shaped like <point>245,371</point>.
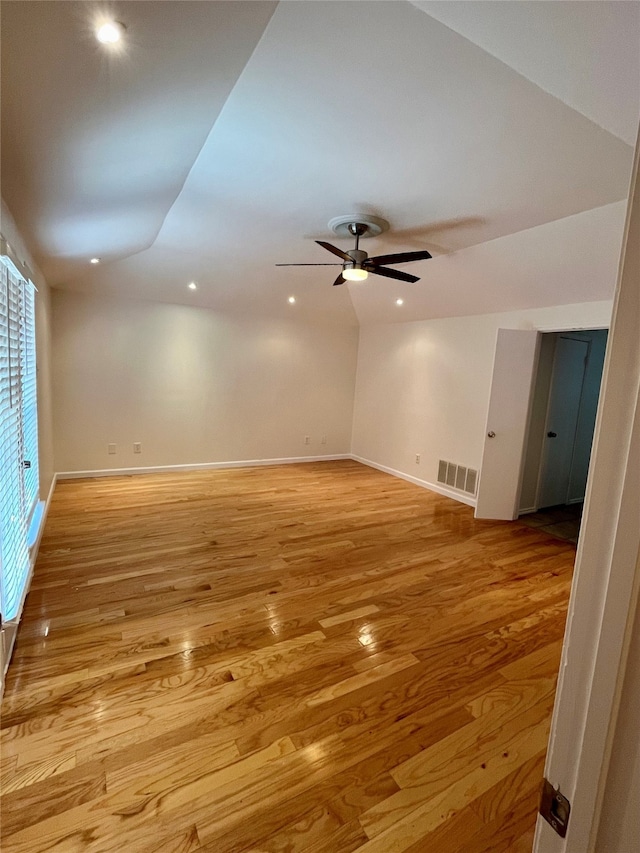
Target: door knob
<point>552,435</point>
<point>491,434</point>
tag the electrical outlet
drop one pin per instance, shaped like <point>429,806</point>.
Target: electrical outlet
<point>417,458</point>
<point>137,447</point>
<point>323,440</point>
<point>307,439</point>
<point>111,448</point>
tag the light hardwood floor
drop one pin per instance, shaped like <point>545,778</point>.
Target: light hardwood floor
<point>294,659</point>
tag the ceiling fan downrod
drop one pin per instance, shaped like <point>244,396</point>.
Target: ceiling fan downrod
<point>357,230</point>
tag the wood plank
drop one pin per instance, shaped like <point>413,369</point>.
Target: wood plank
<point>450,774</point>
<point>205,666</point>
<point>349,616</point>
<point>362,680</point>
<point>35,802</point>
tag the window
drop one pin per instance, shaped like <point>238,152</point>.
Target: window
<point>18,433</point>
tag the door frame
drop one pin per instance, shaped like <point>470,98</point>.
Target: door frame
<point>541,455</point>
<point>606,584</point>
<point>525,402</point>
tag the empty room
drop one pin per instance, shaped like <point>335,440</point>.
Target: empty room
<point>320,426</point>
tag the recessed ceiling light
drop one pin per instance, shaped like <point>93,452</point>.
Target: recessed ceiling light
<point>292,299</point>
<point>192,285</point>
<point>94,261</point>
<point>109,32</point>
<point>399,301</point>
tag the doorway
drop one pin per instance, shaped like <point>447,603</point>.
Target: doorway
<point>561,425</point>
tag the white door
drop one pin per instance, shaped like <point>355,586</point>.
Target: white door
<point>567,380</point>
<point>509,402</point>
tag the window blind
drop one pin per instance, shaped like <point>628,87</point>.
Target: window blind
<point>18,430</point>
<point>29,401</point>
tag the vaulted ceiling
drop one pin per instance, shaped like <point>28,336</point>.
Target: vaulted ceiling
<point>225,135</point>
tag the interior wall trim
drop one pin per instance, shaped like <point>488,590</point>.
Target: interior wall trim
<point>33,549</point>
<point>252,463</point>
<point>425,484</point>
<point>10,629</point>
<point>199,466</point>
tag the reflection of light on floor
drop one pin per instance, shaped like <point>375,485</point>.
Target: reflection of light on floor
<point>100,710</point>
<point>365,635</point>
<point>315,752</point>
<point>186,647</point>
<point>275,622</point>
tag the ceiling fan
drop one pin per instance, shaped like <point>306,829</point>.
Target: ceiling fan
<point>356,264</point>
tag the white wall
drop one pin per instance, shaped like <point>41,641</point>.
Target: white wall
<point>423,387</point>
<point>194,386</point>
<point>43,350</point>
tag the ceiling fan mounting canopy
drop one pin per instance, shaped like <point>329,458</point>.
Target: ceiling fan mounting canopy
<point>366,225</point>
<point>356,264</point>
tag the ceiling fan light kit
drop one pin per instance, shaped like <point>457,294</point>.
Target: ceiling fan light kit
<point>356,264</point>
<point>354,273</point>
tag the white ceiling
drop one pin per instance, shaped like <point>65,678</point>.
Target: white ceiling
<point>229,133</point>
<point>587,54</point>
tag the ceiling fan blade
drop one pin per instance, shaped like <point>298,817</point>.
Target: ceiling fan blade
<point>308,265</point>
<point>334,250</point>
<point>339,280</point>
<point>401,257</point>
<point>401,276</point>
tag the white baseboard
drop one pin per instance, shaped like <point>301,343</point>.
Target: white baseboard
<point>35,544</point>
<point>425,484</point>
<point>199,466</point>
<point>252,463</point>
